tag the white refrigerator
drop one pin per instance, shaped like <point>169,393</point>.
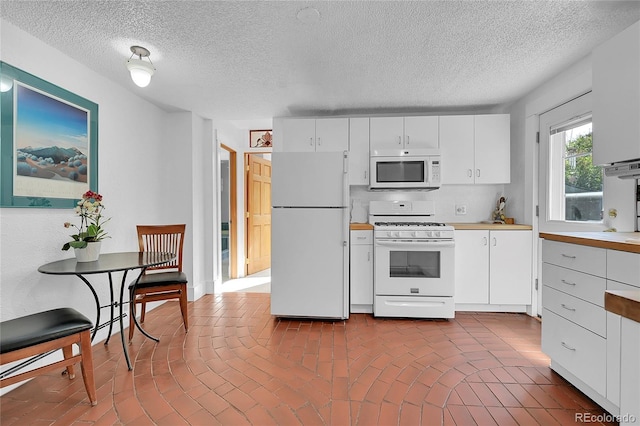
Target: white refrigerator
<point>309,235</point>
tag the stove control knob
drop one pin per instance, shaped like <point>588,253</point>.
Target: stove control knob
<point>389,234</point>
<point>436,233</point>
<point>415,234</point>
<point>428,234</point>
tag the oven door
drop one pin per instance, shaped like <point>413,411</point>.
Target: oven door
<point>414,267</point>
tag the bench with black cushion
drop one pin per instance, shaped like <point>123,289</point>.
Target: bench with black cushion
<point>44,332</point>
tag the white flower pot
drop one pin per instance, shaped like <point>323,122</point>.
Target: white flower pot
<point>88,254</point>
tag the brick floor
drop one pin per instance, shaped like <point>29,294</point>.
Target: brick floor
<point>239,365</point>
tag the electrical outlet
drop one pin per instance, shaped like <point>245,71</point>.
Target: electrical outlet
<point>461,209</point>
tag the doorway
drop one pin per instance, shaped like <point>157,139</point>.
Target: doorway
<point>228,212</point>
<point>258,213</point>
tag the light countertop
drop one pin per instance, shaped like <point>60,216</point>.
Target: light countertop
<point>489,226</point>
<point>623,241</point>
<point>360,226</point>
<point>625,303</point>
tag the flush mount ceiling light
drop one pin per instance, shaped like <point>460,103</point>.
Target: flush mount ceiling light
<point>308,15</point>
<point>141,71</point>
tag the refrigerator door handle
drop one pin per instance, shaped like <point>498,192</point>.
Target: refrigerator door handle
<point>345,162</point>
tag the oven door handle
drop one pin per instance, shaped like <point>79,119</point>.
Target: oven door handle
<point>415,243</point>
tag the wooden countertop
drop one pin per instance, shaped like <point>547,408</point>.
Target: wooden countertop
<point>361,227</point>
<point>625,303</point>
<point>489,226</point>
<point>458,226</point>
<point>622,241</point>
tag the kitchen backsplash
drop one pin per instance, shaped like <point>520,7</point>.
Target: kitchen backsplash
<point>479,201</point>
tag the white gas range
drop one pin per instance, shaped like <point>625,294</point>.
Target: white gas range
<point>413,261</point>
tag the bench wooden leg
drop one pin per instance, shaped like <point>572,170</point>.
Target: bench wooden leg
<point>86,365</point>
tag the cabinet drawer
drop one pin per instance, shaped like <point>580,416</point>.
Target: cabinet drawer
<point>361,237</point>
<point>580,258</point>
<point>585,314</point>
<point>580,351</point>
<point>623,267</point>
<point>583,286</point>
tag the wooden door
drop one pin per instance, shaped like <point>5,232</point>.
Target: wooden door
<point>258,214</point>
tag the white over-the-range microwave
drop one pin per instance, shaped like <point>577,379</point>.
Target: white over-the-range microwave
<point>417,169</point>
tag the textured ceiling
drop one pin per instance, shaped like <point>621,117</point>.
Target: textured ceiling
<point>248,60</point>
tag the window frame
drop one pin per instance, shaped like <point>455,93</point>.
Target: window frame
<point>563,115</point>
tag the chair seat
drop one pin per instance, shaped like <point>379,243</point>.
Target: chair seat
<point>161,278</point>
<point>41,327</point>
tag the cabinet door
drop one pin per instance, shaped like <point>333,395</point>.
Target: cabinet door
<point>299,134</point>
<point>332,134</point>
<point>510,267</point>
<point>385,133</point>
<point>456,147</point>
<point>359,151</point>
<point>492,148</point>
<point>361,267</point>
<point>421,132</point>
<point>616,98</point>
<point>472,267</point>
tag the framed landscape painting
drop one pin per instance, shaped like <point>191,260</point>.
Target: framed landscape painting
<point>49,152</point>
<point>260,138</point>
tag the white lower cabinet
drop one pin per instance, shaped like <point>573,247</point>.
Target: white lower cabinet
<point>493,270</point>
<point>582,339</point>
<point>630,379</point>
<point>577,349</point>
<point>361,272</point>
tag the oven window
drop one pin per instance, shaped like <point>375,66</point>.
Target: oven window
<point>400,171</point>
<point>414,264</point>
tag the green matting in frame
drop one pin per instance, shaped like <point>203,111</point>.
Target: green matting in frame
<point>49,142</point>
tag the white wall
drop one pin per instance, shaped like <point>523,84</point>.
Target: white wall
<point>154,167</point>
<point>479,199</point>
<point>572,82</point>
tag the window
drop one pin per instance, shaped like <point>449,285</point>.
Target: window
<point>575,184</point>
<point>570,188</point>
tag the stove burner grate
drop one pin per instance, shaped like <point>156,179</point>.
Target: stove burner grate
<point>408,224</point>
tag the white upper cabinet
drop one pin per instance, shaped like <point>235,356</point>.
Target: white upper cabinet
<point>493,148</point>
<point>616,98</point>
<point>404,133</point>
<point>475,149</point>
<point>314,135</point>
<point>332,134</point>
<point>359,151</point>
<point>456,137</point>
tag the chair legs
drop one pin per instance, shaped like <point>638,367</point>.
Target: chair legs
<point>183,308</point>
<point>182,297</point>
<point>67,353</point>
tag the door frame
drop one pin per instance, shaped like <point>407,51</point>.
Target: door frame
<point>233,211</point>
<point>245,214</point>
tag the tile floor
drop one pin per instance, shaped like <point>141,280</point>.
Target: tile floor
<point>238,365</point>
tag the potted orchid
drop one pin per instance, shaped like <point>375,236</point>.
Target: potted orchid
<point>91,230</point>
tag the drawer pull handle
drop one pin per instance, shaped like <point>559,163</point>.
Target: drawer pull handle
<point>567,256</point>
<point>568,347</point>
<point>568,283</point>
<point>568,308</point>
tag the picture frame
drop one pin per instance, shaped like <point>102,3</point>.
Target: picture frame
<point>49,151</point>
<point>260,138</point>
